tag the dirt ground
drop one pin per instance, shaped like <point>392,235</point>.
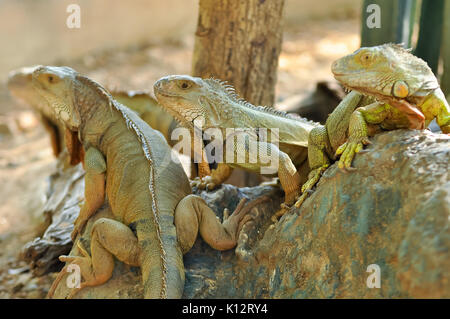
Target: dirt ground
<point>26,159</point>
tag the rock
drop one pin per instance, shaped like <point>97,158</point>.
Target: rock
<point>392,211</point>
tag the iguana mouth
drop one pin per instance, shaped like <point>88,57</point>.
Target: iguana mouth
<point>167,94</point>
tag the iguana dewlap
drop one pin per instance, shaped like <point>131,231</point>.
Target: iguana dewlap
<point>156,217</point>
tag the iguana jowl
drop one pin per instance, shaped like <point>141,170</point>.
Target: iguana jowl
<point>157,217</point>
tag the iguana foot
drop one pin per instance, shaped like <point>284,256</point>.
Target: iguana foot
<point>349,150</point>
<point>86,270</point>
<point>233,223</point>
<point>204,183</point>
<point>313,178</point>
<point>194,216</point>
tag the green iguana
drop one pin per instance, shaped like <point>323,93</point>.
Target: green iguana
<point>406,93</point>
<point>188,99</point>
<point>156,216</point>
<point>301,142</point>
<point>391,89</point>
<point>20,86</point>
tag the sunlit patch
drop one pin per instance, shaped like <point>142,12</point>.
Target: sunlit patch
<point>283,61</point>
<point>27,121</point>
<point>332,48</point>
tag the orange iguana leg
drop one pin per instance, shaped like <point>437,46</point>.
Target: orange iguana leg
<point>94,188</point>
<point>110,239</point>
<point>193,216</point>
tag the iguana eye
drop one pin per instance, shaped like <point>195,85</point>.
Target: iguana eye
<point>52,79</point>
<point>366,58</point>
<point>185,85</point>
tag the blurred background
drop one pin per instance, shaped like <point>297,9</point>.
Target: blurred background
<point>127,45</point>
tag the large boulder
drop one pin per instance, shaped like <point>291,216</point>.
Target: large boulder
<point>393,211</point>
<point>389,217</point>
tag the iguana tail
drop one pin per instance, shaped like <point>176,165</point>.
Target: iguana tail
<point>161,258</point>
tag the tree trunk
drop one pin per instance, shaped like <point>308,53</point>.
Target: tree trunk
<point>240,41</point>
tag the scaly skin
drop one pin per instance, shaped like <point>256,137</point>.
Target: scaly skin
<point>20,86</point>
<point>325,140</point>
<point>156,216</point>
<point>406,91</point>
<point>189,98</point>
<point>392,89</point>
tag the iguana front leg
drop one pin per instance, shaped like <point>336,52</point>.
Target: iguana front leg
<point>323,139</point>
<point>267,158</point>
<point>193,216</point>
<point>94,188</point>
<point>374,113</point>
<point>217,177</point>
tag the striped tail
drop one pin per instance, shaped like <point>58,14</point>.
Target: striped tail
<point>161,259</point>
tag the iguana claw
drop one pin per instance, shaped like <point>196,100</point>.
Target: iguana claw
<point>348,150</point>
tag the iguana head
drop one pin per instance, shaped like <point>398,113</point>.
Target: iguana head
<point>386,72</point>
<point>189,98</point>
<point>21,87</point>
<point>181,96</point>
<point>56,85</point>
